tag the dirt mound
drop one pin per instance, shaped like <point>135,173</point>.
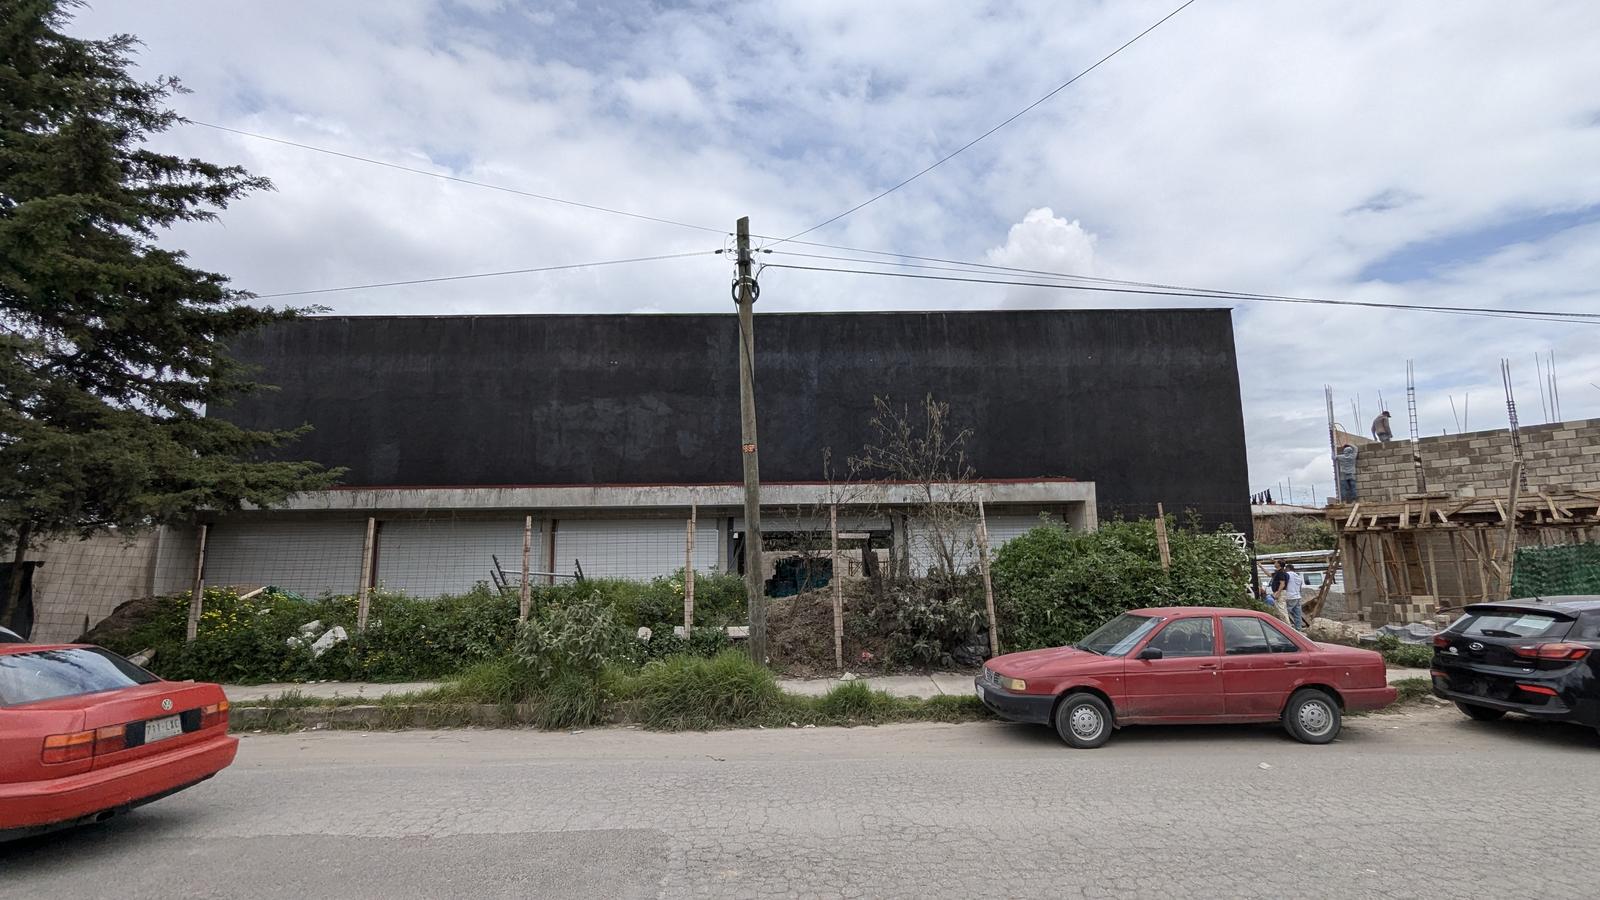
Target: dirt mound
<point>800,632</point>
<point>116,630</point>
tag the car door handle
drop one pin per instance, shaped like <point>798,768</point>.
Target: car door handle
<point>1206,665</point>
<point>1294,662</point>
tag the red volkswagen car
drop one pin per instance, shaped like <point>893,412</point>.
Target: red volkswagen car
<point>85,735</point>
<point>1186,665</point>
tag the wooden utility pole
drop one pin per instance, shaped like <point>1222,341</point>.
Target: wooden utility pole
<point>197,596</point>
<point>363,594</point>
<point>1161,538</point>
<point>527,552</point>
<point>1511,525</point>
<point>688,574</point>
<point>838,589</point>
<point>754,587</point>
<point>988,585</point>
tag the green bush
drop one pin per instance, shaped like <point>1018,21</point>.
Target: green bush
<point>1053,585</point>
<point>576,638</point>
<point>922,622</point>
<point>689,692</point>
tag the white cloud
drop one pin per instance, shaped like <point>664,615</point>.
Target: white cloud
<point>1276,148</point>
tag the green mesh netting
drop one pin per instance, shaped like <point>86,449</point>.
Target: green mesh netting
<point>1549,571</point>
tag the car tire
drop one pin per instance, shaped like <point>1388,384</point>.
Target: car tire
<point>1083,721</point>
<point>1312,717</point>
<point>1480,713</point>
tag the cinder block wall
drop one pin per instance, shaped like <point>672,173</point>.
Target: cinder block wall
<point>1565,454</point>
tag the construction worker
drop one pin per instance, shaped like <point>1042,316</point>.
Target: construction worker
<point>1380,428</point>
<point>1345,463</point>
<point>1275,591</point>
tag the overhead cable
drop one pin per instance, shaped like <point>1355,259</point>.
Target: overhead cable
<point>458,179</point>
<point>969,144</point>
<point>583,265</point>
<point>1487,312</point>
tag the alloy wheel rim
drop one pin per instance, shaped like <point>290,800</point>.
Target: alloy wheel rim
<point>1086,723</point>
<point>1315,718</point>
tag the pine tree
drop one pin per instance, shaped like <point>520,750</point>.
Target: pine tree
<point>112,346</point>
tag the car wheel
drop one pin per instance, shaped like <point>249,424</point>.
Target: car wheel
<point>1480,713</point>
<point>1312,716</point>
<point>1083,721</point>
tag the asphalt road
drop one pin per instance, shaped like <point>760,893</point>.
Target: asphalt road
<point>1423,804</point>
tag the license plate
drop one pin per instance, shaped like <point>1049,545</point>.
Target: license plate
<point>981,696</point>
<point>161,729</point>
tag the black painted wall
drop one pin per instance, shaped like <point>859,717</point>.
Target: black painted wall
<point>1143,403</point>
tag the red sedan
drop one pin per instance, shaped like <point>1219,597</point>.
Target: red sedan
<point>85,734</point>
<point>1186,665</point>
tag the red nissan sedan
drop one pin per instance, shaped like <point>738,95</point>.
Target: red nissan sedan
<point>1186,665</point>
<point>85,735</point>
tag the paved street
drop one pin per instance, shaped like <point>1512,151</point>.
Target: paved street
<point>1421,804</point>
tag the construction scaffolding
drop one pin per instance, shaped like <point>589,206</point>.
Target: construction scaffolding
<point>1421,558</point>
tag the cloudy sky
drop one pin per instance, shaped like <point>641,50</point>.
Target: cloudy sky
<point>1416,153</point>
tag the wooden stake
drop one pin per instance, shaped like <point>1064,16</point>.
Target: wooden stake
<point>527,553</point>
<point>688,573</point>
<point>838,589</point>
<point>988,585</point>
<point>1511,525</point>
<point>1161,538</point>
<point>363,596</point>
<point>197,596</point>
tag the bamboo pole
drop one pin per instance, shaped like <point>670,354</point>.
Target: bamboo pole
<point>1161,538</point>
<point>838,589</point>
<point>363,595</point>
<point>526,600</point>
<point>198,594</point>
<point>988,585</point>
<point>688,573</point>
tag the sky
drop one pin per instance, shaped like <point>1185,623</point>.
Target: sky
<point>1360,149</point>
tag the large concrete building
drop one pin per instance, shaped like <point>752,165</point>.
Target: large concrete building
<point>605,430</point>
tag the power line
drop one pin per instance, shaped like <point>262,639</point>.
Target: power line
<point>584,265</point>
<point>1449,310</point>
<point>969,144</point>
<point>457,179</point>
<point>1186,290</point>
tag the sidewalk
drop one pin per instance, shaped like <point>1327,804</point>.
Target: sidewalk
<point>924,686</point>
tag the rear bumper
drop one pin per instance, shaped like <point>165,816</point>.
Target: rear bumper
<point>1031,708</point>
<point>36,806</point>
<point>1566,706</point>
<point>1369,698</point>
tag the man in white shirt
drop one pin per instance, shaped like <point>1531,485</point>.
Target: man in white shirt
<point>1293,593</point>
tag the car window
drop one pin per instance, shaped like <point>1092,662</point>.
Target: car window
<point>1118,636</point>
<point>1248,634</point>
<point>1512,623</point>
<point>50,674</point>
<point>1185,637</point>
<point>1588,628</point>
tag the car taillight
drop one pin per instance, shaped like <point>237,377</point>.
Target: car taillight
<point>1552,651</point>
<point>1538,689</point>
<point>1441,641</point>
<point>110,739</point>
<point>215,714</point>
<point>63,748</point>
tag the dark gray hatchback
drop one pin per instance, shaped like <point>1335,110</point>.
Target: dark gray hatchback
<point>1538,657</point>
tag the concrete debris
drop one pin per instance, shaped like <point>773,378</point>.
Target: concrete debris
<point>645,634</point>
<point>849,676</point>
<point>333,636</point>
<point>312,627</point>
<point>1409,634</point>
<point>1329,630</point>
<point>738,632</point>
<point>143,657</point>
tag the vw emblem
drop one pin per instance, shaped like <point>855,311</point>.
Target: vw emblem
<point>1474,646</point>
<point>166,705</point>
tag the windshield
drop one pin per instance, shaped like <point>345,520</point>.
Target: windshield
<point>1511,623</point>
<point>48,674</point>
<point>1118,636</point>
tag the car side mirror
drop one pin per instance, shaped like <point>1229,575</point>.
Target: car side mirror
<point>1150,653</point>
